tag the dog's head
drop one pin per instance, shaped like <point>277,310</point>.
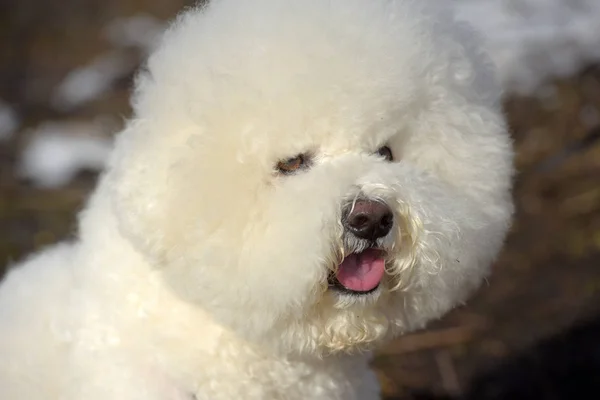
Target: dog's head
<point>318,175</point>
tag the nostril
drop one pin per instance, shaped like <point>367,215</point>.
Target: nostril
<point>359,221</point>
<point>387,221</point>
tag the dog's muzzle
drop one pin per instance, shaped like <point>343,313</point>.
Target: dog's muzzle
<point>366,224</point>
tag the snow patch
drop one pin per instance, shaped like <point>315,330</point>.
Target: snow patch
<point>88,83</point>
<point>57,151</point>
<point>533,41</point>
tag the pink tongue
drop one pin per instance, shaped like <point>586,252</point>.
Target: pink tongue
<point>362,272</point>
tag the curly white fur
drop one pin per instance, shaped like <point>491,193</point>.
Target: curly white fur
<point>200,273</point>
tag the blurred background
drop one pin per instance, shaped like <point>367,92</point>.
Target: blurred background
<point>532,331</point>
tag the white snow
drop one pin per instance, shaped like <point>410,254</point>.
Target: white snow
<point>57,151</point>
<point>533,41</point>
<point>9,122</point>
<point>88,83</point>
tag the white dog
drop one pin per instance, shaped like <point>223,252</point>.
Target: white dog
<point>301,181</point>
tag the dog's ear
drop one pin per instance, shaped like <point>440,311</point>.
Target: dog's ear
<point>138,186</point>
<point>464,137</point>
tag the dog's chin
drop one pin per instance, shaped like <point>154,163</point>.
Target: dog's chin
<point>360,273</point>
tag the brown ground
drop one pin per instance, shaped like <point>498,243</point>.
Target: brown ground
<point>547,278</point>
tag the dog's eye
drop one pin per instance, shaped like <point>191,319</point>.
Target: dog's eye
<point>293,164</point>
<point>386,153</point>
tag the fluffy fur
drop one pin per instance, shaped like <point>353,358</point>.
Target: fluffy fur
<point>199,272</point>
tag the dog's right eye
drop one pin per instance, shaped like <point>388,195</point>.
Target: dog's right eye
<point>293,164</point>
<point>386,153</point>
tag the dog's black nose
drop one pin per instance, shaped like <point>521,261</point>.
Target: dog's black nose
<point>368,219</point>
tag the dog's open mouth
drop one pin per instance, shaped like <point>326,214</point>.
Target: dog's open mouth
<point>360,273</point>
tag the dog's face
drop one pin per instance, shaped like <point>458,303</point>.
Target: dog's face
<point>319,176</point>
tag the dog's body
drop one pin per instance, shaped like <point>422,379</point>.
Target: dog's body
<point>301,181</point>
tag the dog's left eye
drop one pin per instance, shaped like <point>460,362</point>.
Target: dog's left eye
<point>293,164</point>
<point>386,153</point>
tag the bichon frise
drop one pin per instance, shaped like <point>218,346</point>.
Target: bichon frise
<point>301,181</point>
